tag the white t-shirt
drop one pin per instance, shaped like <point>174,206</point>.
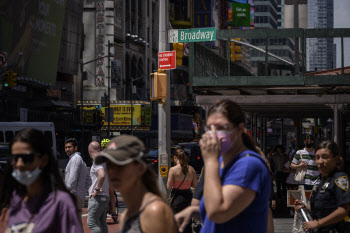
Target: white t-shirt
<point>93,175</point>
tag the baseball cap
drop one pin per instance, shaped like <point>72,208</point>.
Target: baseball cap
<point>122,150</point>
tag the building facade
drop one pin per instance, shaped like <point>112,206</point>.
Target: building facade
<point>320,56</point>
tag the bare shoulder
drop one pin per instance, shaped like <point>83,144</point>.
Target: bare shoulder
<point>158,217</point>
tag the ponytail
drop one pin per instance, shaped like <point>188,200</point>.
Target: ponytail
<point>247,141</point>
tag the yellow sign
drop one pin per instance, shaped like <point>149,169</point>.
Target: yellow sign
<point>122,114</point>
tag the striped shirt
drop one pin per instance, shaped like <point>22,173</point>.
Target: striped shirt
<point>312,172</point>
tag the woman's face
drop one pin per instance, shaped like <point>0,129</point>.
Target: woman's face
<point>326,161</point>
<point>124,177</point>
<point>26,158</point>
<point>219,121</point>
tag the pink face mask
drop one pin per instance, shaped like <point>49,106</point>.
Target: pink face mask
<point>226,142</point>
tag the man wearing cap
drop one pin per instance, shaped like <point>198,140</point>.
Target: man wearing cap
<point>98,193</point>
<point>137,182</point>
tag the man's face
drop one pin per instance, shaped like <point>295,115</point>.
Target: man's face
<point>70,149</point>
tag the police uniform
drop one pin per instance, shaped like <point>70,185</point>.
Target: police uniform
<point>327,196</point>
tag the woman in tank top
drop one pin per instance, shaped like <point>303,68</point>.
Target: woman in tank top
<point>180,180</point>
<point>128,173</point>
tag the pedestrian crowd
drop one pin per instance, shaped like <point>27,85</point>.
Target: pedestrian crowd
<point>234,193</point>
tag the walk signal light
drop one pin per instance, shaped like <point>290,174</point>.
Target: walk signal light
<point>179,48</point>
<point>10,79</point>
<point>158,86</point>
<point>236,51</point>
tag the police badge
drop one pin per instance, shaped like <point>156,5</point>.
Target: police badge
<point>342,182</point>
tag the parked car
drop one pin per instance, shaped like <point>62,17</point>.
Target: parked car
<point>193,151</point>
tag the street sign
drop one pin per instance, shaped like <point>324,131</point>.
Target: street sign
<point>167,60</point>
<point>186,49</point>
<point>192,35</point>
<point>3,59</point>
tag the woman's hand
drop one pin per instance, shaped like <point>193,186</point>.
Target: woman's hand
<point>184,217</point>
<point>298,205</point>
<point>210,145</point>
<point>307,226</point>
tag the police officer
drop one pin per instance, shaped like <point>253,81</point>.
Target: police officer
<point>329,201</point>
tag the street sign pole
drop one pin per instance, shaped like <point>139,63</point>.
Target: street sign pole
<point>163,109</point>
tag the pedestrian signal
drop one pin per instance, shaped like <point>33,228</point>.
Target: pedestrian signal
<point>236,50</point>
<point>158,86</point>
<point>179,48</point>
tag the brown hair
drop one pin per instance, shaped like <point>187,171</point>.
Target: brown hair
<point>233,112</point>
<point>149,180</point>
<point>180,154</point>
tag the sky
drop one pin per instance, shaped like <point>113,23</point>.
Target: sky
<point>342,20</point>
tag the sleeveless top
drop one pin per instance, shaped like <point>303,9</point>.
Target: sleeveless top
<point>133,224</point>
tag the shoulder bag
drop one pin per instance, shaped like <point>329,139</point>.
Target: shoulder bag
<point>300,172</point>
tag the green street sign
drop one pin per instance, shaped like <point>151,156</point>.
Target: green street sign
<point>191,35</point>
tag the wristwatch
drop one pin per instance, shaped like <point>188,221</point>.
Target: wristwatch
<point>98,189</point>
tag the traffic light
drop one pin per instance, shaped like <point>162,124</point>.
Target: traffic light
<point>236,51</point>
<point>104,102</point>
<point>158,86</point>
<point>10,79</point>
<point>179,48</point>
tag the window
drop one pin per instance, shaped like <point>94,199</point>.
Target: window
<point>2,136</point>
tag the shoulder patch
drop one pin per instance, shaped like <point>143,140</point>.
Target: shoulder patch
<point>342,182</point>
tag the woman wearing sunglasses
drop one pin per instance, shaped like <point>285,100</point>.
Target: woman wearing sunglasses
<point>33,190</point>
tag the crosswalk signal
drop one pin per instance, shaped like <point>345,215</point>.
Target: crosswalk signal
<point>158,86</point>
<point>10,79</point>
<point>179,48</point>
<point>236,51</point>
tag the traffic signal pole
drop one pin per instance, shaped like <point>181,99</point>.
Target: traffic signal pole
<point>163,108</point>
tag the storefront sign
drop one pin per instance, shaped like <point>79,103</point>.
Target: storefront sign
<point>100,42</point>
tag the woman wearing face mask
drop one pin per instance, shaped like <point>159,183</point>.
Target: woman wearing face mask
<point>329,201</point>
<point>236,180</point>
<point>181,178</point>
<point>33,190</point>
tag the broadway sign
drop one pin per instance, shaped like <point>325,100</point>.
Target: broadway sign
<point>192,35</point>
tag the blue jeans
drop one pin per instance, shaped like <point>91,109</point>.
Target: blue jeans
<point>97,214</point>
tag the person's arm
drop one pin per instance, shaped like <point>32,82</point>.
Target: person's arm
<point>297,163</point>
<point>158,218</point>
<point>194,181</point>
<point>335,217</point>
<point>72,180</point>
<point>100,179</point>
<point>169,184</point>
<point>184,217</point>
<point>222,203</point>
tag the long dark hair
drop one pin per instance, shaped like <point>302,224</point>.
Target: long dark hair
<point>149,179</point>
<point>180,154</point>
<point>50,174</point>
<point>233,112</point>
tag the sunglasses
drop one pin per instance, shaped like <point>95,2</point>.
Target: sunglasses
<point>26,158</point>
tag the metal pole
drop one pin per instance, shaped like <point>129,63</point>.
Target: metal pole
<point>132,112</point>
<point>296,25</point>
<point>109,89</point>
<point>162,111</point>
<point>82,106</point>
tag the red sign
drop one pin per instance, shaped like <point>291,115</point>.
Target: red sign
<point>3,59</point>
<point>167,60</point>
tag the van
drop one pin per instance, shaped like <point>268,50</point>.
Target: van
<point>8,130</point>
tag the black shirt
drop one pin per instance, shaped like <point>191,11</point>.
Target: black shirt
<point>328,195</point>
